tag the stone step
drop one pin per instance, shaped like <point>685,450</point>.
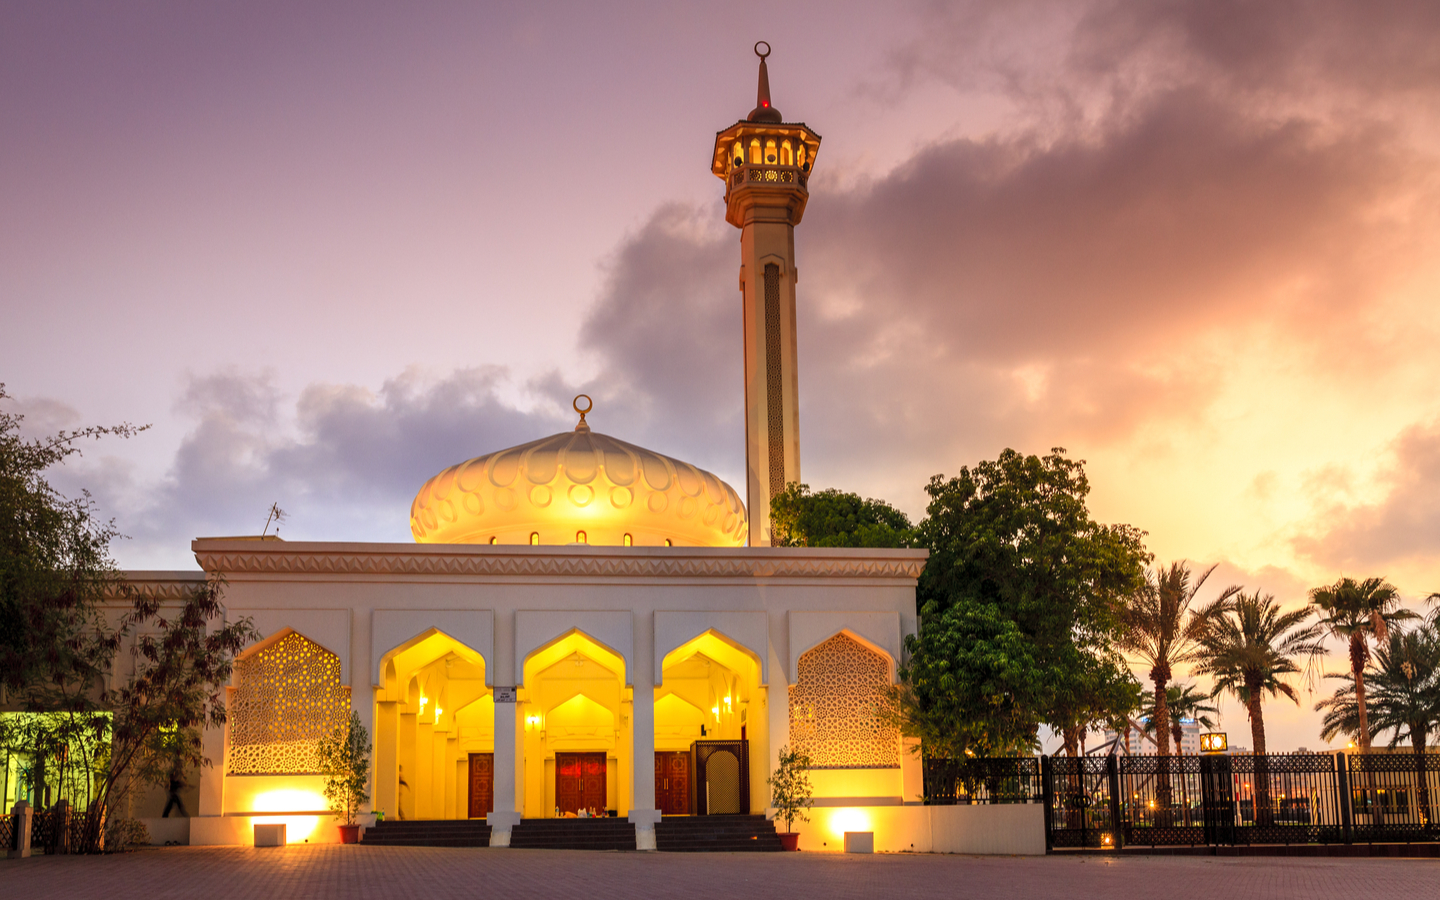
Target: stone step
<point>574,834</point>
<point>717,834</point>
<point>428,833</point>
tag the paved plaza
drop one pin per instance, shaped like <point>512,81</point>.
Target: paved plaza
<point>395,873</point>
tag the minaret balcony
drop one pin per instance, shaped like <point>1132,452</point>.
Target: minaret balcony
<point>767,174</point>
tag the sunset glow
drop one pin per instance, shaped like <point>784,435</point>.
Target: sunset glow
<point>330,251</point>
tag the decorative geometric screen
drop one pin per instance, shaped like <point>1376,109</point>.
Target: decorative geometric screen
<point>833,706</point>
<point>289,697</point>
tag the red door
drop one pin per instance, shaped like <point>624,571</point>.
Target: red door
<point>482,784</point>
<point>672,783</point>
<point>580,781</point>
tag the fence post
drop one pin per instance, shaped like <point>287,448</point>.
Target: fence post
<point>1342,791</point>
<point>21,824</point>
<point>1112,774</point>
<point>1047,797</point>
<point>62,826</point>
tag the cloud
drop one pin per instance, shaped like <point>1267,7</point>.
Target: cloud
<point>1172,201</point>
<point>1399,531</point>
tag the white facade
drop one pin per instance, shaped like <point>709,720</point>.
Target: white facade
<point>465,622</point>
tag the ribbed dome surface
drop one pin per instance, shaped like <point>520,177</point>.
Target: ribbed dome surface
<point>578,486</point>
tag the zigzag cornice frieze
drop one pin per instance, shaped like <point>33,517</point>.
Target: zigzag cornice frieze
<point>583,566</point>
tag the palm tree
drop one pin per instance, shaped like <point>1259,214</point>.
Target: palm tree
<point>1162,631</point>
<point>1251,646</point>
<point>1185,702</point>
<point>1404,698</point>
<point>1248,650</point>
<point>1356,612</point>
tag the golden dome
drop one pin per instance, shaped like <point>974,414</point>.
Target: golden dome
<point>578,487</point>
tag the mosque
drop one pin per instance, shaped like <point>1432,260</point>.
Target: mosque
<point>581,624</point>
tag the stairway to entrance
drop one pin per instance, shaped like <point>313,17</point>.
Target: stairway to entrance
<point>574,834</point>
<point>428,833</point>
<point>729,834</point>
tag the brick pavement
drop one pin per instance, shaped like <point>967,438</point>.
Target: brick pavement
<point>397,873</point>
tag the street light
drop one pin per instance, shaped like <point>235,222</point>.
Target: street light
<point>1214,742</point>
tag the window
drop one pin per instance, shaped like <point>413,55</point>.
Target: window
<point>289,696</point>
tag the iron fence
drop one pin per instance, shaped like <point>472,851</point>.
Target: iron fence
<point>1300,798</point>
<point>981,780</point>
<point>7,832</point>
<point>1393,797</point>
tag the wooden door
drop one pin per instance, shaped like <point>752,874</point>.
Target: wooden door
<point>672,783</point>
<point>482,784</point>
<point>580,781</point>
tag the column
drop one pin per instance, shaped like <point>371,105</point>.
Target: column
<point>507,786</point>
<point>643,813</point>
<point>387,739</point>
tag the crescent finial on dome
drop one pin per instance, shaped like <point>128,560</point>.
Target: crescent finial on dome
<point>589,405</point>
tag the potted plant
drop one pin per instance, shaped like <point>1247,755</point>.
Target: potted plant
<point>790,793</point>
<point>345,763</point>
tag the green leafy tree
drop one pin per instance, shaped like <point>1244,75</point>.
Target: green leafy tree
<point>345,763</point>
<point>1162,631</point>
<point>790,789</point>
<point>55,565</point>
<point>1358,612</point>
<point>1102,691</point>
<point>1020,607</point>
<point>114,674</point>
<point>833,518</point>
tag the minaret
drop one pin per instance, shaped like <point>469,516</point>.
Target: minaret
<point>766,165</point>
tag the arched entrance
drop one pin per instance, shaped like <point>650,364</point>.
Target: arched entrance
<point>709,723</point>
<point>434,731</point>
<point>576,713</point>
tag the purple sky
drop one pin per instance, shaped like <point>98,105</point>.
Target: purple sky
<point>328,249</point>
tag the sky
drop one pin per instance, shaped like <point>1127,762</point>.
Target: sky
<point>327,249</point>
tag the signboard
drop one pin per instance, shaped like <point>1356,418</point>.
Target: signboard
<point>504,694</point>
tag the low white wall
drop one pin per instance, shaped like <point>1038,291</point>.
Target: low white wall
<point>240,830</point>
<point>1017,829</point>
<point>174,830</point>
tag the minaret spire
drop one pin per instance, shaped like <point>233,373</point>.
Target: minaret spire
<point>765,164</point>
<point>763,111</point>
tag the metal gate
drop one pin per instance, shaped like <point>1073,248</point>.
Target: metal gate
<point>721,777</point>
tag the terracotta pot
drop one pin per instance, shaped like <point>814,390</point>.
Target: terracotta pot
<point>790,840</point>
<point>349,834</point>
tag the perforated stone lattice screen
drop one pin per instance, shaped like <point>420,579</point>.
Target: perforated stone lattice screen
<point>833,707</point>
<point>290,695</point>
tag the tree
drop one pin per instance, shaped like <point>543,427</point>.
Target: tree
<point>1249,648</point>
<point>1020,605</point>
<point>66,615</point>
<point>1404,699</point>
<point>1183,702</point>
<point>790,787</point>
<point>1358,612</point>
<point>1403,693</point>
<point>833,518</point>
<point>55,566</point>
<point>1162,631</point>
<point>345,762</point>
